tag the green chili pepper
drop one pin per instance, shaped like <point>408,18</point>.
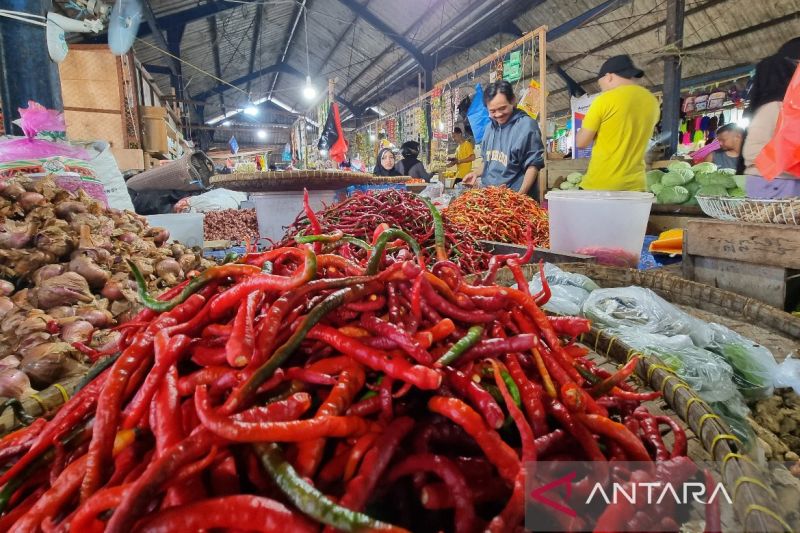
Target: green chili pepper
<point>335,236</point>
<point>370,393</point>
<point>311,501</point>
<point>230,257</point>
<point>462,345</point>
<point>162,306</point>
<point>438,230</point>
<point>357,242</point>
<point>331,302</point>
<point>380,245</point>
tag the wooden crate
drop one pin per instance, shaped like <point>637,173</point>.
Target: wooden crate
<point>761,261</point>
<point>93,93</point>
<point>129,158</point>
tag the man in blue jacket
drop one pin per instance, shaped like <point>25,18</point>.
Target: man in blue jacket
<point>512,147</point>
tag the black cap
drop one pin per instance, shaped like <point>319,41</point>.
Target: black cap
<point>621,66</point>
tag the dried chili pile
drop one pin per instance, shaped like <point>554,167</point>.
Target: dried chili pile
<point>364,213</point>
<point>498,214</point>
<point>296,388</point>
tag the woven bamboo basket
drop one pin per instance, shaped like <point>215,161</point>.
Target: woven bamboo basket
<point>754,500</point>
<point>297,180</point>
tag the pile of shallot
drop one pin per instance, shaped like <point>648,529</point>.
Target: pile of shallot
<point>64,278</point>
<point>231,225</point>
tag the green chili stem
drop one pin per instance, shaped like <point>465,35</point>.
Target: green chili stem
<point>462,345</point>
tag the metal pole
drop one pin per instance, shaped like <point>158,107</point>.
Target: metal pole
<point>670,117</point>
<point>26,72</point>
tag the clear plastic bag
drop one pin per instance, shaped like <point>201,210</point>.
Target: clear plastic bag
<point>705,372</point>
<point>787,374</point>
<point>645,310</point>
<point>754,366</point>
<point>568,290</point>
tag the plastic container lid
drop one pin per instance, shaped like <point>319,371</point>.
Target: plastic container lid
<point>601,195</point>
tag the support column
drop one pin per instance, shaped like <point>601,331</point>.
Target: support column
<point>26,72</point>
<point>429,87</point>
<point>174,37</point>
<point>670,110</point>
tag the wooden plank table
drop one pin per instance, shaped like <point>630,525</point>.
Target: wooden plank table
<point>761,261</point>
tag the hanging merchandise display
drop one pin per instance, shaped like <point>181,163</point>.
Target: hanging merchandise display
<point>437,114</point>
<point>391,131</point>
<point>512,69</point>
<point>422,123</point>
<point>529,101</point>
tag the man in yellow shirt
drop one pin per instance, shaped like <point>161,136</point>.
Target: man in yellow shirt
<point>465,155</point>
<point>620,121</point>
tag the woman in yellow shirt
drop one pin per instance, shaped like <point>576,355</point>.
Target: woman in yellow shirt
<point>465,155</point>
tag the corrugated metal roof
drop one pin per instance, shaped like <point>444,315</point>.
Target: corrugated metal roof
<point>364,61</point>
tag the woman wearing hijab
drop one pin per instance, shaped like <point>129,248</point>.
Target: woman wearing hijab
<point>410,165</point>
<point>770,82</point>
<point>385,164</point>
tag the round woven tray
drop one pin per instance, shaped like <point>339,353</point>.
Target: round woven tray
<point>297,180</point>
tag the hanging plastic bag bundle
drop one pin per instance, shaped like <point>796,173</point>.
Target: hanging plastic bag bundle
<point>478,114</point>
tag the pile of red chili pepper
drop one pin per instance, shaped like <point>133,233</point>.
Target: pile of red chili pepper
<point>499,214</point>
<point>294,390</point>
<point>365,213</point>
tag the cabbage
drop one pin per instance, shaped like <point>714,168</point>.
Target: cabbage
<point>716,178</point>
<point>712,190</point>
<point>676,177</point>
<point>656,188</point>
<point>575,178</point>
<point>738,192</point>
<point>677,165</point>
<point>726,171</point>
<point>692,187</point>
<point>565,186</point>
<point>673,195</point>
<point>740,181</point>
<point>653,177</point>
<point>691,201</point>
<point>704,168</point>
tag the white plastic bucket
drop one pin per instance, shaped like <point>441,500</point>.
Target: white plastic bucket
<point>276,211</point>
<point>609,225</point>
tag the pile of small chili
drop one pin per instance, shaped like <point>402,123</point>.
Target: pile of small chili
<point>298,389</point>
<point>499,214</point>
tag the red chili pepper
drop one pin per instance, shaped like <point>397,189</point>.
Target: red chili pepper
<point>351,380</point>
<point>167,353</point>
<point>375,462</point>
<point>290,408</point>
<point>448,472</point>
<point>570,326</point>
<point>575,351</point>
<point>316,227</point>
<point>497,347</point>
<point>366,407</point>
<point>614,430</point>
<point>498,452</point>
<point>649,427</point>
<point>451,310</point>
<point>399,336</point>
<point>605,386</point>
<point>576,429</point>
<point>635,396</point>
<point>357,452</point>
<point>477,396</point>
<point>531,394</point>
<point>712,509</point>
<point>678,436</point>
<point>437,496</point>
<point>108,412</point>
<point>85,517</point>
<point>229,512</point>
<point>572,397</point>
<point>525,431</point>
<point>514,510</point>
<point>290,431</point>
<point>422,377</point>
<point>264,283</point>
<point>240,345</point>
